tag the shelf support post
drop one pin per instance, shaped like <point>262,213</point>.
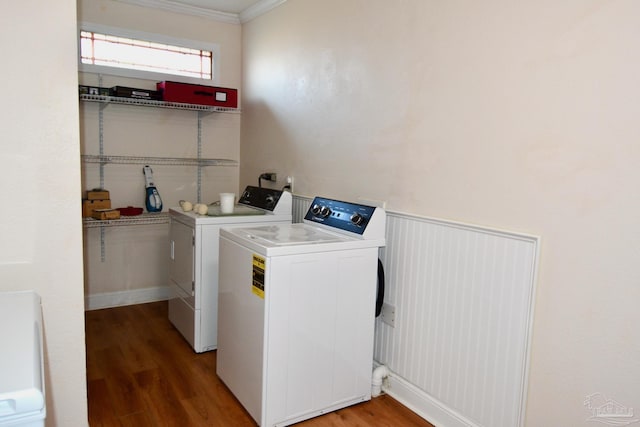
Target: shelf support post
<point>199,177</point>
<point>102,251</point>
<point>101,136</point>
<point>101,140</point>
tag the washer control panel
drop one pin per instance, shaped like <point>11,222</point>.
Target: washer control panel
<point>258,197</point>
<point>345,216</point>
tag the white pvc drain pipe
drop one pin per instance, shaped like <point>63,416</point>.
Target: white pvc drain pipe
<point>378,376</point>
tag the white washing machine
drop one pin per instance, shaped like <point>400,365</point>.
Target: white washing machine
<point>193,259</point>
<point>297,311</point>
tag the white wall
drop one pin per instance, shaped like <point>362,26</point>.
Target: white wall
<point>127,264</point>
<point>40,223</point>
<point>519,116</point>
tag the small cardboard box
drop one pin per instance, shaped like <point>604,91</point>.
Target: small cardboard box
<point>88,206</point>
<point>103,214</point>
<point>97,194</point>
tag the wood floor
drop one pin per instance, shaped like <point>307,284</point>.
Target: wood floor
<point>141,372</point>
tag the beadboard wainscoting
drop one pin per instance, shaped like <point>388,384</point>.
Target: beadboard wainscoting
<point>463,295</point>
<point>300,206</point>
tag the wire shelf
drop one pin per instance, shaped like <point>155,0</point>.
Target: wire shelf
<point>145,160</point>
<point>142,219</point>
<point>157,104</point>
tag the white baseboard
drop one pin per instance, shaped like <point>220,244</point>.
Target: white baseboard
<point>423,404</point>
<point>121,298</point>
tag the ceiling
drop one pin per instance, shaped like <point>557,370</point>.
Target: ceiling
<point>233,11</point>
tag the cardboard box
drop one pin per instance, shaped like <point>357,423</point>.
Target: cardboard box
<point>198,94</point>
<point>103,214</point>
<point>88,206</point>
<point>97,194</point>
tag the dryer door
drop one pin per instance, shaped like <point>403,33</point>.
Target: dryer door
<point>181,258</point>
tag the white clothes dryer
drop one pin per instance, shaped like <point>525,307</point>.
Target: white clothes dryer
<point>297,312</point>
<point>193,259</point>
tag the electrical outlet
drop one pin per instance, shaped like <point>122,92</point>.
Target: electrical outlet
<point>388,314</point>
<point>290,183</point>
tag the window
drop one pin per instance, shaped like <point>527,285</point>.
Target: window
<point>113,51</point>
<point>133,54</point>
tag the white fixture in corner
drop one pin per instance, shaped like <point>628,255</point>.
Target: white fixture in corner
<point>379,374</point>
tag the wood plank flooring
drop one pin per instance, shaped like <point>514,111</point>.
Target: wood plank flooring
<point>141,372</point>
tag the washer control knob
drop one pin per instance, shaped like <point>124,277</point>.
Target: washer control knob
<point>357,219</point>
<point>325,212</point>
<point>315,209</point>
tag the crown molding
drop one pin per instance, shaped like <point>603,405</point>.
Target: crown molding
<point>172,6</point>
<point>250,13</point>
<point>258,9</point>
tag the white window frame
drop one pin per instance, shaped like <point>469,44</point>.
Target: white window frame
<point>158,38</point>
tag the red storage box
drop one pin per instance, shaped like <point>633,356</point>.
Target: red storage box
<point>198,94</point>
